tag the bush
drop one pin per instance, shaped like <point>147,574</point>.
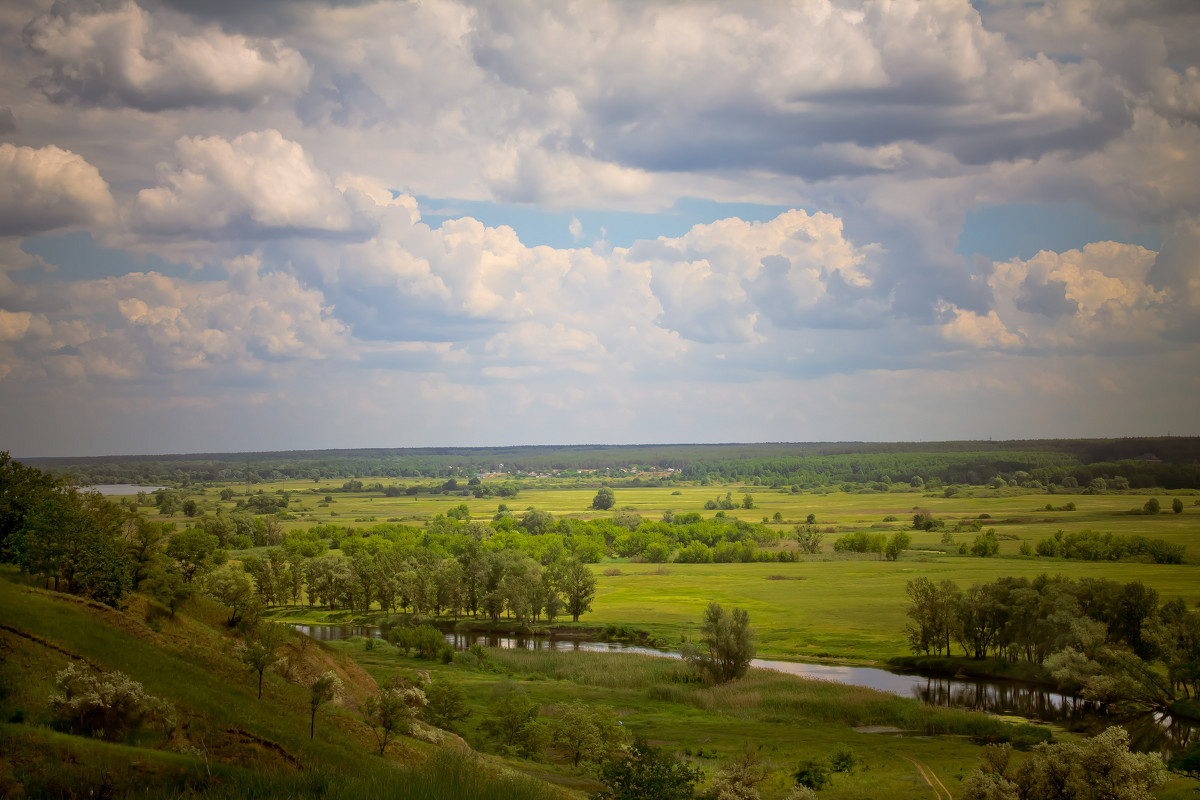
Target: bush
<point>844,759</point>
<point>814,775</point>
<point>107,706</point>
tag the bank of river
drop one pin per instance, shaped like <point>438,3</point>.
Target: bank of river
<point>1148,731</point>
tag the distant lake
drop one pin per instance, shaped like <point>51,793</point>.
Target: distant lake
<point>120,489</point>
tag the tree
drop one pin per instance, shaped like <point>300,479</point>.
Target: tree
<point>537,522</point>
<point>932,611</point>
<point>512,719</point>
<point>75,538</point>
<point>193,550</point>
<point>258,653</point>
<point>391,711</point>
<point>586,733</point>
<point>578,586</point>
<point>232,588</point>
<point>446,703</point>
<point>1177,505</point>
<point>747,501</point>
<point>986,544</point>
<point>896,545</point>
<point>321,691</point>
<point>143,545</point>
<point>1152,506</point>
<point>22,489</point>
<point>727,644</point>
<point>648,773</point>
<point>169,589</point>
<point>604,499</point>
<point>809,538</point>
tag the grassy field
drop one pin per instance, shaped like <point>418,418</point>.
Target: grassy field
<point>844,609</point>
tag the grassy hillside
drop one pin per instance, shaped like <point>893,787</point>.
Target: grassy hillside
<point>227,743</point>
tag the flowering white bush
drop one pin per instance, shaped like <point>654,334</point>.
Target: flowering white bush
<point>107,706</point>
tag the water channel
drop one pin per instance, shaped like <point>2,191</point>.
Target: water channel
<point>1149,732</point>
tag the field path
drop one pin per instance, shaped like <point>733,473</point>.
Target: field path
<point>940,792</point>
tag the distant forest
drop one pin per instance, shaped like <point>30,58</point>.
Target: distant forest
<point>1074,464</point>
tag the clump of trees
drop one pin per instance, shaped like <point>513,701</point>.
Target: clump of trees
<point>1089,545</point>
<point>1105,639</point>
<point>1100,767</point>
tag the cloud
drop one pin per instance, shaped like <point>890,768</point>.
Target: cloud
<point>140,326</point>
<point>256,185</point>
<point>127,56</point>
<point>1094,300</point>
<point>48,188</point>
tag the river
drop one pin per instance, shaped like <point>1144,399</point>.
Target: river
<point>1149,732</point>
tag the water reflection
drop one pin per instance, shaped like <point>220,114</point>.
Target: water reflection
<point>1149,732</point>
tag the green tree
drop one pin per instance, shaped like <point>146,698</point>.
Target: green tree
<point>170,589</point>
<point>258,653</point>
<point>325,688</point>
<point>986,544</point>
<point>392,711</point>
<point>747,501</point>
<point>577,584</point>
<point>446,703</point>
<point>809,538</point>
<point>512,719</point>
<point>22,489</point>
<point>1152,506</point>
<point>586,733</point>
<point>232,588</point>
<point>143,546</point>
<point>192,550</point>
<point>726,644</point>
<point>75,538</point>
<point>896,545</point>
<point>1177,505</point>
<point>648,774</point>
<point>604,499</point>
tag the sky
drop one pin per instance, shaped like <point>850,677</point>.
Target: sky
<point>230,225</point>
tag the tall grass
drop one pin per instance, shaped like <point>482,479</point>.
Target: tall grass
<point>764,695</point>
<point>606,670</point>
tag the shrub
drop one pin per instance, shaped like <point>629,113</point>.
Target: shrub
<point>815,775</point>
<point>108,706</point>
